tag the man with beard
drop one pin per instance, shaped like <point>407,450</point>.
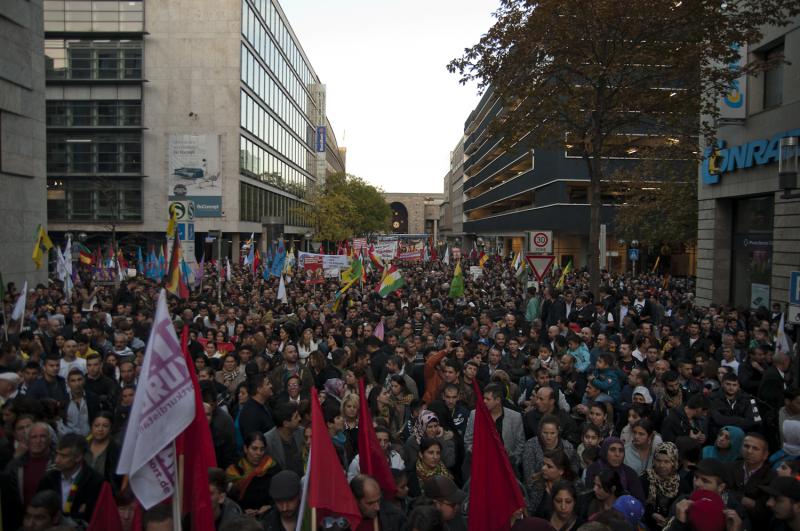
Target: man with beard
<point>285,491</point>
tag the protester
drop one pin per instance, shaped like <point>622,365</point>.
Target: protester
<point>561,372</point>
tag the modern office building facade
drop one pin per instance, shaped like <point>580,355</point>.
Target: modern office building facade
<point>748,233</point>
<point>208,102</point>
<point>22,139</point>
<point>511,193</point>
<point>451,222</point>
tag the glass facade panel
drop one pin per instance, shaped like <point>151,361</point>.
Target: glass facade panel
<point>107,153</point>
<point>93,59</point>
<point>94,199</point>
<point>96,15</point>
<point>94,113</point>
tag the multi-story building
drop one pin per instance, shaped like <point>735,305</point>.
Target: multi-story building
<point>456,174</point>
<point>208,102</point>
<point>512,192</point>
<point>22,136</point>
<point>748,232</point>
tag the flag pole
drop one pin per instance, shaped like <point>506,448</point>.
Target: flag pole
<point>178,495</point>
<point>313,519</point>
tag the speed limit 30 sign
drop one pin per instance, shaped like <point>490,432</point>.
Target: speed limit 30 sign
<point>541,241</point>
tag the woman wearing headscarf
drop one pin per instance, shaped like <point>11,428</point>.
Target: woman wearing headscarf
<point>791,444</point>
<point>548,438</point>
<point>728,445</point>
<point>427,425</point>
<point>612,457</point>
<point>661,485</point>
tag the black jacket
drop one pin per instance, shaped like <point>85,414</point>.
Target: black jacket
<point>676,424</point>
<point>255,417</point>
<point>740,412</point>
<point>89,485</point>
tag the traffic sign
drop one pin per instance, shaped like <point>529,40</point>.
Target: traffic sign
<point>540,264</point>
<point>794,287</point>
<point>181,231</point>
<point>794,315</point>
<point>183,210</point>
<point>633,255</point>
<point>541,241</point>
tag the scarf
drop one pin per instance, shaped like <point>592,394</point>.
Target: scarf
<point>421,423</point>
<point>243,473</point>
<point>667,487</point>
<point>736,436</point>
<point>425,473</point>
<point>228,377</point>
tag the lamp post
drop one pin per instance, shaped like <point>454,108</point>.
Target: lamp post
<point>788,166</point>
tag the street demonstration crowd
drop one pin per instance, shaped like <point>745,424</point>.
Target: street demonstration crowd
<point>635,409</point>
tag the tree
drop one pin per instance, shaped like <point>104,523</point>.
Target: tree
<point>602,77</point>
<point>347,206</point>
<point>660,204</point>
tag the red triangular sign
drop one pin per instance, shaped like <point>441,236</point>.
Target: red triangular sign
<point>540,264</point>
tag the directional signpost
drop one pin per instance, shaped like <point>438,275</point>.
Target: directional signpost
<point>540,264</point>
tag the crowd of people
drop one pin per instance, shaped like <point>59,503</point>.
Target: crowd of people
<point>632,408</point>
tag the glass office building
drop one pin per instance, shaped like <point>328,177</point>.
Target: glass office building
<point>127,81</point>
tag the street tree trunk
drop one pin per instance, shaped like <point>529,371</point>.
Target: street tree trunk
<point>595,204</point>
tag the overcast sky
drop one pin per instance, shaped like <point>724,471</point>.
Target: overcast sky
<point>390,99</point>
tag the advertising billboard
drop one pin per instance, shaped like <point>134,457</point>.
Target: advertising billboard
<point>193,173</point>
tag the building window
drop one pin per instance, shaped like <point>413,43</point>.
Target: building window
<point>752,251</point>
<point>94,199</point>
<point>773,78</point>
<point>107,154</point>
<point>93,15</point>
<point>102,113</point>
<point>93,60</point>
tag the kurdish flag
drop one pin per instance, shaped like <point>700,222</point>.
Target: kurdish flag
<point>457,284</point>
<point>392,281</point>
<point>567,271</point>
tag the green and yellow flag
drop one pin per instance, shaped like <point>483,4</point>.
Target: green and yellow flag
<point>567,270</point>
<point>457,285</point>
<point>42,240</point>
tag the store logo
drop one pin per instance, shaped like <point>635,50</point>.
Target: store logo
<point>721,159</point>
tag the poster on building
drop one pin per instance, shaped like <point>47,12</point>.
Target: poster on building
<point>313,269</point>
<point>759,295</point>
<point>732,103</point>
<point>386,249</point>
<point>194,175</point>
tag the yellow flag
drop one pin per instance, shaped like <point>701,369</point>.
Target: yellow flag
<point>173,219</point>
<point>564,274</point>
<point>42,239</point>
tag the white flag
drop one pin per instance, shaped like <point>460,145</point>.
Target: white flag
<point>282,292</point>
<point>19,308</point>
<point>228,270</point>
<point>446,259</point>
<point>162,408</point>
<point>782,344</point>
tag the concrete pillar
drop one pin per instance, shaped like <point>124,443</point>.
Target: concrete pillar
<point>236,248</point>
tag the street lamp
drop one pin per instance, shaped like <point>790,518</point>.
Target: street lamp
<point>788,166</point>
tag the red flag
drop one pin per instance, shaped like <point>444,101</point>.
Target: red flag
<point>106,514</point>
<point>491,509</point>
<point>328,491</point>
<point>175,283</point>
<point>371,458</point>
<point>196,447</point>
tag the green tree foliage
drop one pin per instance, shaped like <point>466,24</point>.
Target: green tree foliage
<point>601,77</point>
<point>660,200</point>
<point>348,206</point>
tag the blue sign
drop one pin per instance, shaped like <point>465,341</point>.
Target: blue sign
<point>181,231</point>
<point>207,206</point>
<point>190,232</point>
<point>633,255</point>
<point>727,159</point>
<point>794,287</point>
<point>321,139</point>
